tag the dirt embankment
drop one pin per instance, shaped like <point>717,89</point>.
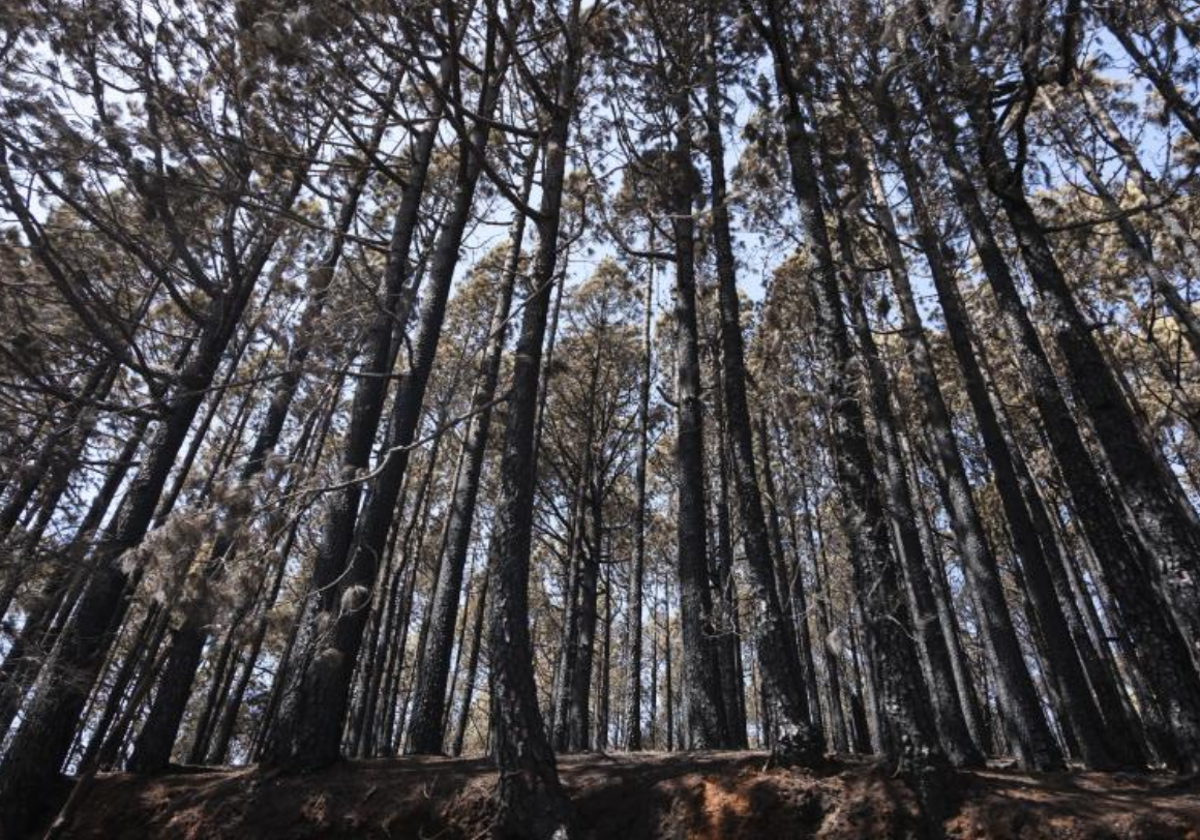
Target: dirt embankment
<point>636,796</point>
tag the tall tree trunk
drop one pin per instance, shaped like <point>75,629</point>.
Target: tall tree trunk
<point>464,713</point>
<point>1122,735</point>
<point>342,503</point>
<point>877,577</point>
<point>836,733</point>
<point>579,696</point>
<point>604,700</point>
<point>732,682</point>
<point>906,539</point>
<point>426,726</point>
<point>702,695</point>
<point>568,650</point>
<point>792,577</point>
<point>61,590</point>
<point>1027,727</point>
<point>637,576</point>
<point>144,641</point>
<point>956,737</point>
<point>668,686</point>
<point>579,617</point>
<point>1063,664</point>
<point>968,699</point>
<point>782,672</point>
<point>531,800</point>
<point>219,743</point>
<point>653,695</point>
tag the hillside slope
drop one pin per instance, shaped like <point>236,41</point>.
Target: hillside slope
<point>652,795</point>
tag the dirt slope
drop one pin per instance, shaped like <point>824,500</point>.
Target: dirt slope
<point>703,795</point>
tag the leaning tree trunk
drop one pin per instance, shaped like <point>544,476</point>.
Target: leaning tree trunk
<point>1116,17</point>
<point>782,672</point>
<point>342,502</point>
<point>1026,724</point>
<point>464,712</point>
<point>1063,665</point>
<point>956,739</point>
<point>52,467</point>
<point>1181,309</point>
<point>1165,523</point>
<point>1165,526</point>
<point>791,577</point>
<point>1174,218</point>
<point>310,726</point>
<point>41,743</point>
<point>836,731</point>
<point>1120,731</point>
<point>152,749</point>
<point>58,595</point>
<point>968,697</point>
<point>1122,561</point>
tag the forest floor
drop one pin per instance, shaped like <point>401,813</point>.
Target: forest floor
<point>628,796</point>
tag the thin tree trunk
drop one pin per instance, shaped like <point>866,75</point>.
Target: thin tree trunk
<point>579,694</point>
<point>836,733</point>
<point>1102,520</point>
<point>947,617</point>
<point>793,577</point>
<point>633,740</point>
<point>602,714</point>
<point>287,743</point>
<point>57,596</point>
<point>1027,728</point>
<point>653,695</point>
<point>955,735</point>
<point>58,453</point>
<point>560,696</point>
<point>668,682</point>
<point>732,687</point>
<point>464,713</point>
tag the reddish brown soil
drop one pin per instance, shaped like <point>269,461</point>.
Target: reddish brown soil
<point>654,795</point>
